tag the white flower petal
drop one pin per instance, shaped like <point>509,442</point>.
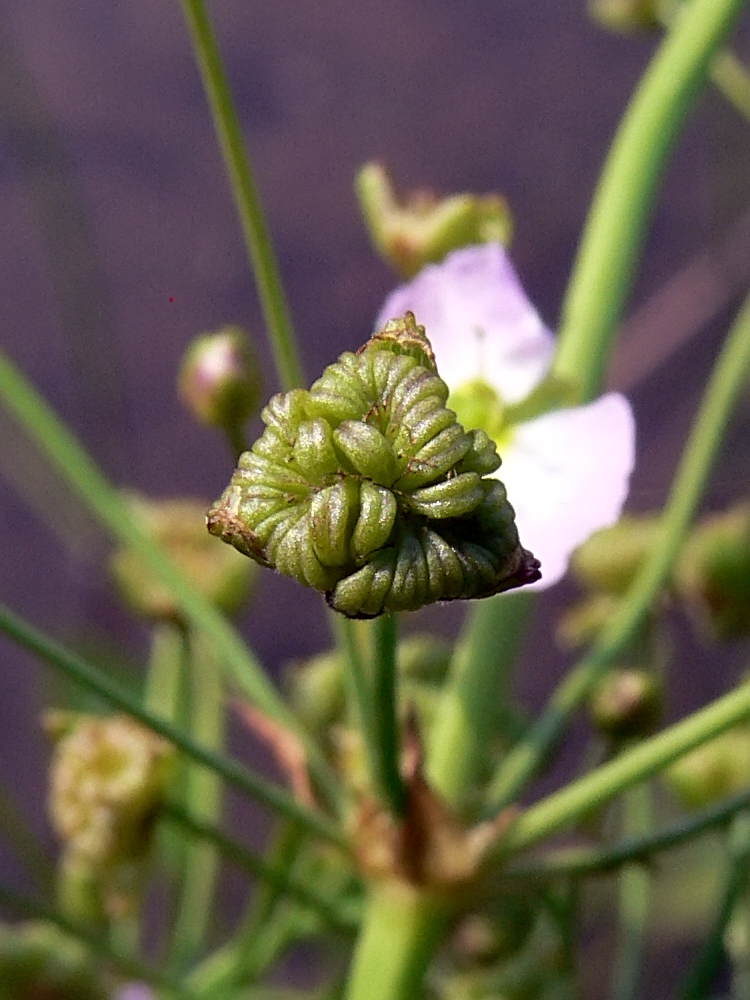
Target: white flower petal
<point>479,321</point>
<point>567,475</point>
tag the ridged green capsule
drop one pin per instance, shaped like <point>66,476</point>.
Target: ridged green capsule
<point>366,487</point>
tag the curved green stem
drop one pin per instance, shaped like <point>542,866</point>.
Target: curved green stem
<point>726,382</point>
<point>477,694</point>
<point>615,229</point>
<point>246,198</point>
<point>78,670</point>
<point>65,454</point>
<point>559,810</point>
<point>579,862</point>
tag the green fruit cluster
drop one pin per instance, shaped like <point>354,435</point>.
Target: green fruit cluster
<point>366,487</point>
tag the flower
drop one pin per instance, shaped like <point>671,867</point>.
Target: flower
<point>566,471</point>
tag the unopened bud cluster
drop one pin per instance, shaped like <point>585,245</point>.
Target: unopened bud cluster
<point>423,229</point>
<point>366,487</point>
<point>108,779</point>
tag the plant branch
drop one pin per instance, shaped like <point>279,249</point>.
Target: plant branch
<point>615,228</point>
<point>246,197</point>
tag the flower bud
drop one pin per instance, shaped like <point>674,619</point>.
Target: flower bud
<point>180,526</point>
<point>610,558</point>
<point>712,771</point>
<point>389,509</point>
<point>498,931</point>
<point>582,622</point>
<point>625,17</point>
<point>37,960</point>
<point>423,229</point>
<point>220,380</point>
<point>626,703</point>
<point>318,691</point>
<point>108,779</point>
<point>713,574</point>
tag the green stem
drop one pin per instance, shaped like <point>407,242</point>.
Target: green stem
<point>635,896</point>
<point>277,876</point>
<point>559,810</point>
<point>83,673</point>
<point>65,454</point>
<point>401,930</point>
<point>125,964</point>
<point>582,861</point>
<point>725,384</point>
<point>615,229</point>
<point>710,957</point>
<point>246,198</point>
<point>19,835</point>
<point>387,755</point>
<point>203,799</point>
<point>467,717</point>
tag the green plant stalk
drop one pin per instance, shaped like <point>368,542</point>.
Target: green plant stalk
<point>126,964</point>
<point>724,386</point>
<point>277,876</point>
<point>83,673</point>
<point>615,229</point>
<point>71,460</point>
<point>401,929</point>
<point>226,969</point>
<point>559,810</point>
<point>635,897</point>
<point>387,742</point>
<point>246,197</point>
<point>20,837</point>
<point>578,862</point>
<point>707,963</point>
<point>203,799</point>
<point>468,714</point>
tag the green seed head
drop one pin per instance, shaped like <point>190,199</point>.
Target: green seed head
<point>366,487</point>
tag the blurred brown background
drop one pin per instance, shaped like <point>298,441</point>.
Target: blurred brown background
<point>118,243</point>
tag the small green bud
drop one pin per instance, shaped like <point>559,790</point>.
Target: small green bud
<point>108,779</point>
<point>713,771</point>
<point>610,558</point>
<point>625,17</point>
<point>318,691</point>
<point>713,574</point>
<point>423,229</point>
<point>220,380</point>
<point>180,526</point>
<point>626,703</point>
<point>40,962</point>
<point>497,932</point>
<point>367,487</point>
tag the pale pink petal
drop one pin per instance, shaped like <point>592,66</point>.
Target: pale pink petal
<point>479,321</point>
<point>567,475</point>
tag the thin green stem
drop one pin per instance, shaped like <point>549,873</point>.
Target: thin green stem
<point>579,862</point>
<point>128,965</point>
<point>387,757</point>
<point>65,454</point>
<point>246,197</point>
<point>478,692</point>
<point>700,453</point>
<point>203,797</point>
<point>615,229</point>
<point>277,876</point>
<point>559,810</point>
<point>707,963</point>
<point>635,897</point>
<point>83,673</point>
<point>18,834</point>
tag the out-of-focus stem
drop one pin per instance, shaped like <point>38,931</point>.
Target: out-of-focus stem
<point>246,197</point>
<point>615,228</point>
